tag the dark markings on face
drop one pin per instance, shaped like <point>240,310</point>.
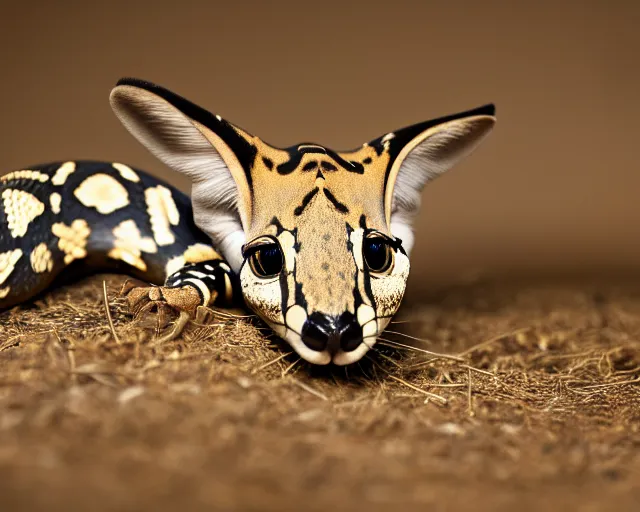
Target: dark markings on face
<point>377,146</point>
<point>300,298</point>
<point>305,201</point>
<point>277,224</point>
<point>267,162</point>
<point>328,166</point>
<point>366,275</point>
<point>284,289</point>
<point>245,151</point>
<point>288,167</point>
<point>356,167</point>
<point>310,166</point>
<point>357,297</point>
<point>361,274</point>
<point>296,153</point>
<point>342,208</point>
<point>367,160</point>
<point>320,176</point>
<point>349,242</point>
<point>396,245</point>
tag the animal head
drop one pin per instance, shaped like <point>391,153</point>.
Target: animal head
<point>320,239</point>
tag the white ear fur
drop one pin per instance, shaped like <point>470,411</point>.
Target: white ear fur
<point>219,192</point>
<point>423,158</point>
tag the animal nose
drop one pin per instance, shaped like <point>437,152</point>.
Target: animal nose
<point>333,333</point>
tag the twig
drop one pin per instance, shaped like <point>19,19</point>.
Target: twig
<point>273,361</point>
<point>469,397</point>
<point>416,388</point>
<point>309,389</point>
<point>452,385</point>
<point>391,360</point>
<point>474,369</point>
<point>408,336</point>
<point>442,399</point>
<point>290,367</point>
<point>108,312</point>
<point>594,386</point>
<point>396,344</point>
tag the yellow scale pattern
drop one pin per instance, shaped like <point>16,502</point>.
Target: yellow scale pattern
<point>20,208</point>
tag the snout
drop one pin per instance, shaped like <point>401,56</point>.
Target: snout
<point>332,334</point>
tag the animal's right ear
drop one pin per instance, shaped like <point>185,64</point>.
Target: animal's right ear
<point>215,154</point>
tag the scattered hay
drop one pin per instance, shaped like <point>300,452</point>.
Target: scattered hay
<point>495,396</point>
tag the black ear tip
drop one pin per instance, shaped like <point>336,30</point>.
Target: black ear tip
<point>486,110</point>
<point>137,82</point>
<point>128,81</point>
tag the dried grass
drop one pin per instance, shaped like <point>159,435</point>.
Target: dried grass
<point>488,397</point>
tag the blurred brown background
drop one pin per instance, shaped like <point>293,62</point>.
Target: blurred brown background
<point>553,191</point>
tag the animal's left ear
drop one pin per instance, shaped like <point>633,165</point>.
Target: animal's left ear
<point>421,152</point>
<point>216,155</point>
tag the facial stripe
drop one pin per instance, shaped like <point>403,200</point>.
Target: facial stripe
<point>305,201</point>
<point>342,208</point>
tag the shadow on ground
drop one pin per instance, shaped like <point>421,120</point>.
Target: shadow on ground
<point>535,405</point>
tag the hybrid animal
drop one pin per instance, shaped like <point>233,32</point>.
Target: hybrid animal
<point>315,242</point>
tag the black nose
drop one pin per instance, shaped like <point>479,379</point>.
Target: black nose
<point>322,332</point>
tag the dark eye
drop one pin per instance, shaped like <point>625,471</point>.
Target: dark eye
<point>378,254</point>
<point>266,260</point>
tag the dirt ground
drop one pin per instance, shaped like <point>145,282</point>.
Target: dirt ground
<point>535,406</point>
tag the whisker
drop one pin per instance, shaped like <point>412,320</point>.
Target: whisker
<point>108,313</point>
<point>396,344</point>
<point>423,340</point>
<point>376,318</point>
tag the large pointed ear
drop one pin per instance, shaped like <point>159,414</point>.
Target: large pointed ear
<point>216,155</point>
<point>421,152</point>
